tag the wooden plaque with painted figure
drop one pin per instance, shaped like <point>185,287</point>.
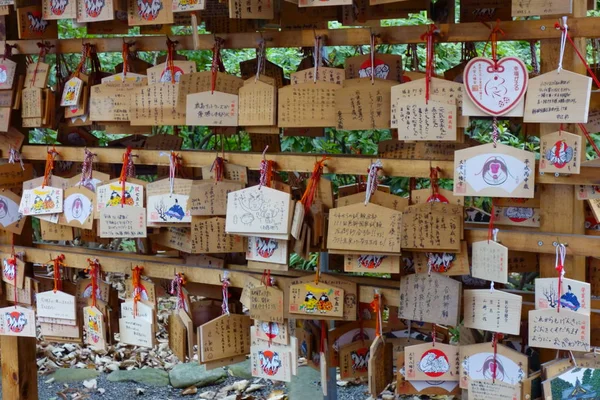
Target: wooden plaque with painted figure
<point>494,171</point>
<point>560,153</point>
<point>95,11</point>
<point>483,361</point>
<point>559,97</point>
<point>7,73</point>
<point>495,311</point>
<point>95,328</point>
<point>41,201</point>
<point>59,9</point>
<point>78,208</point>
<point>354,359</point>
<point>574,295</point>
<point>146,12</point>
<point>161,73</point>
<point>71,92</point>
<point>444,263</point>
<point>11,219</point>
<point>17,321</point>
<point>387,66</point>
<point>316,298</point>
<point>432,362</point>
<point>372,263</point>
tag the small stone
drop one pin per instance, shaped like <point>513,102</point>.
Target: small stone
<point>149,376</point>
<point>49,381</point>
<point>387,396</point>
<point>208,395</point>
<point>188,374</point>
<point>139,391</point>
<point>254,387</point>
<point>190,390</point>
<point>74,375</point>
<point>241,370</point>
<point>342,383</point>
<point>91,384</point>
<point>101,390</point>
<point>240,386</point>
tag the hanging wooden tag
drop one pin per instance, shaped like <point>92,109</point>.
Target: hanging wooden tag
<point>38,201</point>
<point>586,192</point>
<point>123,222</point>
<point>12,138</point>
<point>53,231</point>
<point>71,92</point>
<point>380,198</point>
<point>257,103</point>
<point>56,305</point>
<point>233,172</point>
<point>517,216</point>
<point>558,97</point>
<point>492,390</point>
<point>429,388</point>
<point>81,108</point>
<point>161,73</point>
<point>271,362</point>
<point>40,70</point>
<point>478,362</point>
<point>495,311</point>
<point>380,361</point>
<point>10,218</point>
<point>95,328</point>
<point>7,73</point>
<point>156,105</point>
<point>168,208</point>
<point>95,11</point>
<point>130,77</point>
<point>316,299</point>
<point>272,332</point>
<point>430,298</point>
<point>347,334</point>
<point>574,296</point>
<point>324,74</point>
<point>259,211</point>
<point>145,309</point>
<point>564,330</point>
<point>450,264</point>
<point>354,360</point>
<point>78,208</point>
<point>208,236</point>
<point>432,362</point>
<point>177,337</point>
<point>251,9</point>
<point>363,104</point>
<point>360,229</point>
<point>198,82</point>
<point>188,5</point>
<point>17,321</point>
<point>540,7</point>
<point>421,196</point>
<point>211,109</point>
<point>501,171</point>
<point>109,195</point>
<point>267,250</point>
<point>387,66</point>
<point>495,90</point>
<point>560,153</point>
<point>417,119</point>
<point>111,101</point>
<point>59,9</point>
<point>490,261</point>
<point>136,332</point>
<point>225,336</point>
<point>13,273</point>
<point>209,198</point>
<point>249,284</point>
<point>432,226</point>
<point>266,304</point>
<point>149,12</point>
<point>307,105</point>
<point>32,103</point>
<point>372,263</point>
<point>32,25</point>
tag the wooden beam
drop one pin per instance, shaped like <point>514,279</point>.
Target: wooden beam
<point>337,163</point>
<point>19,370</point>
<point>465,32</point>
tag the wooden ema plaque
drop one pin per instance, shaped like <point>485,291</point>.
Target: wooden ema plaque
<point>156,105</point>
<point>432,226</point>
<point>362,104</point>
<point>233,172</point>
<point>212,109</point>
<point>501,171</point>
<point>324,74</point>
<point>421,196</point>
<point>432,362</point>
<point>78,208</point>
<point>94,326</point>
<point>223,337</point>
<point>477,363</point>
<point>347,334</point>
<point>266,304</point>
<point>13,271</point>
<point>450,264</point>
<point>154,12</point>
<point>492,390</point>
<point>517,216</point>
<point>379,198</point>
<point>161,73</point>
<point>574,296</point>
<point>361,228</point>
<point>272,331</point>
<point>272,361</point>
<point>418,119</point>
<point>380,360</point>
<point>433,299</point>
<point>372,263</point>
<point>17,321</point>
<point>354,360</point>
<point>412,387</point>
<point>560,153</point>
<point>10,218</point>
<point>316,299</point>
<point>198,82</point>
<point>32,24</point>
<point>307,105</point>
<point>490,261</point>
<point>564,330</point>
<point>209,198</point>
<point>558,97</point>
<point>177,336</point>
<point>257,103</point>
<point>387,66</point>
<point>495,311</point>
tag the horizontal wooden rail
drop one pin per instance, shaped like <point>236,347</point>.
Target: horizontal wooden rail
<point>465,32</point>
<point>338,164</point>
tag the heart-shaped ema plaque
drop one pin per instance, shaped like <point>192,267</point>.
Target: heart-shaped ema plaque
<point>495,89</point>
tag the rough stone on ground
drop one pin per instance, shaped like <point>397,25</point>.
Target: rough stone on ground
<point>66,375</point>
<point>185,375</point>
<point>149,376</point>
<point>241,370</point>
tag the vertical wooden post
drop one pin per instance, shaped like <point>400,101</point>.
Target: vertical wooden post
<point>560,211</point>
<point>19,369</point>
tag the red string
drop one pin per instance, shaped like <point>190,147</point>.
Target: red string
<point>496,336</point>
<point>216,63</point>
<point>430,54</point>
<point>491,224</point>
<point>124,169</point>
<point>94,270</point>
<point>170,58</point>
<point>13,261</point>
<point>266,277</point>
<point>311,188</point>
<point>493,40</point>
<point>49,165</point>
<point>58,262</point>
<point>136,278</point>
<point>589,138</point>
<point>433,176</point>
<point>559,268</point>
<point>376,306</point>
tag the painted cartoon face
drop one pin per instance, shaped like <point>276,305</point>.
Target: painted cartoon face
<point>38,203</point>
<point>434,363</point>
<point>77,209</point>
<point>3,209</point>
<point>360,359</point>
<point>149,9</point>
<point>324,304</point>
<point>270,362</point>
<point>370,261</point>
<point>15,321</point>
<point>519,214</point>
<point>36,23</point>
<point>166,75</point>
<point>265,247</point>
<point>560,154</point>
<point>271,329</point>
<point>48,203</point>
<point>93,8</point>
<point>381,69</point>
<point>491,366</point>
<point>58,7</point>
<point>255,201</point>
<point>9,269</point>
<point>310,302</point>
<point>494,171</point>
